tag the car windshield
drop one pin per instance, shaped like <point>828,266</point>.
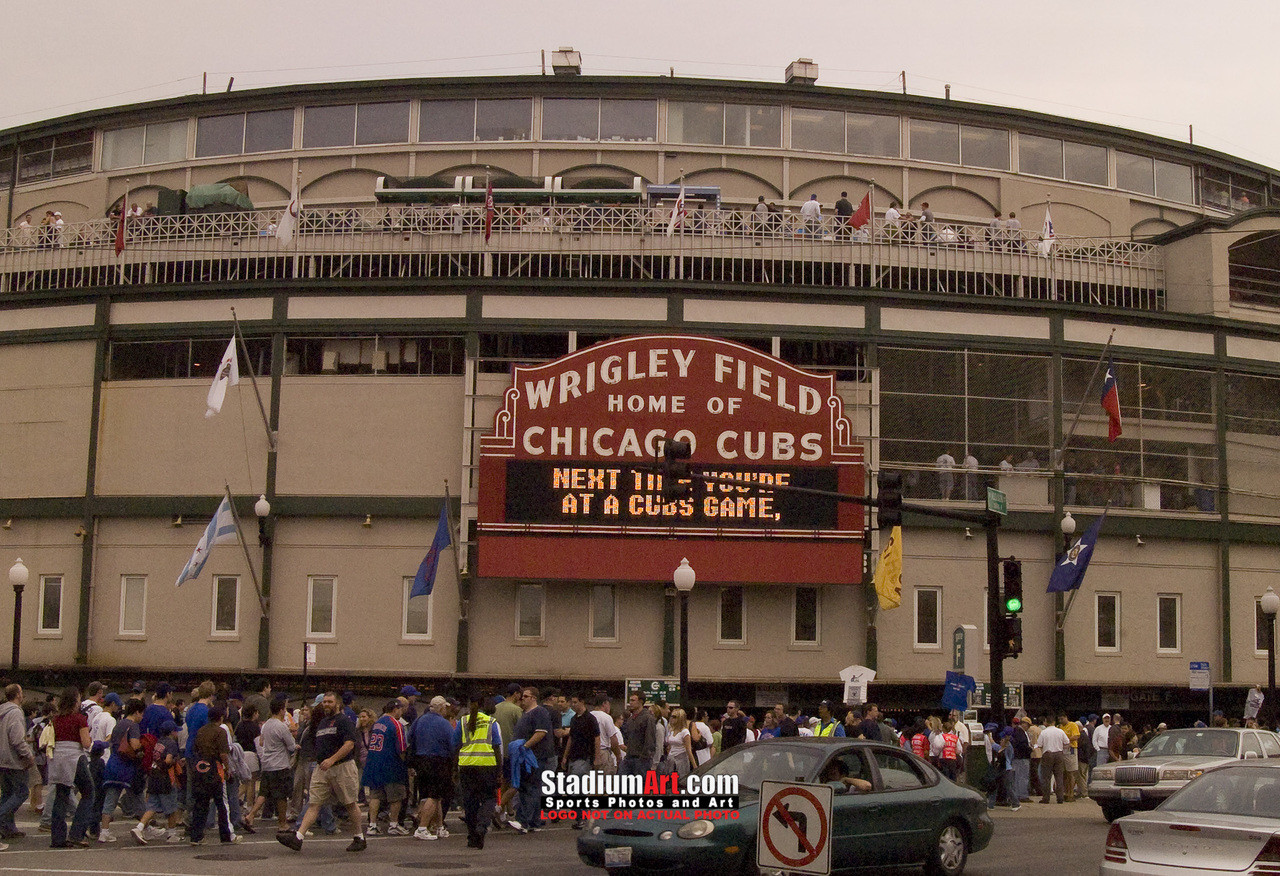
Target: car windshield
<point>753,764</point>
<point>1203,742</point>
<point>1231,791</point>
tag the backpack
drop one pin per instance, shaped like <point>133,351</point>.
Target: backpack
<point>239,767</point>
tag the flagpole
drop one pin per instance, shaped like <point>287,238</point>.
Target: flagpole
<point>1062,615</point>
<point>1080,407</point>
<point>464,592</point>
<point>244,349</point>
<point>231,502</point>
<point>122,231</point>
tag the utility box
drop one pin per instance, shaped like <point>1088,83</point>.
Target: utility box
<point>802,71</point>
<point>566,62</point>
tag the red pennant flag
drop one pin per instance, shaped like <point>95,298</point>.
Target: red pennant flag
<point>124,215</point>
<point>862,215</point>
<point>488,209</point>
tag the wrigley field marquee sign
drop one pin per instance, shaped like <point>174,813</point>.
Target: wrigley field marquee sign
<point>569,488</point>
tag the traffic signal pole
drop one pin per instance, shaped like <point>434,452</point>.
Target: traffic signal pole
<point>988,520</point>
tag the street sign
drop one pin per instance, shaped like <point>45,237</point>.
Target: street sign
<point>997,502</point>
<point>958,646</point>
<point>309,653</point>
<point>794,828</point>
<point>1012,695</point>
<point>655,689</point>
<point>1200,675</point>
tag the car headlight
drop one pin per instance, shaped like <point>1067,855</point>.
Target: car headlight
<point>595,830</point>
<point>1107,773</point>
<point>1180,775</point>
<point>665,835</point>
<point>695,829</point>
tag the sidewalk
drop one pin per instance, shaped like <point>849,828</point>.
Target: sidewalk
<point>1082,809</point>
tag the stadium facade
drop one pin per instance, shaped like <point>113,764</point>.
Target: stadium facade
<point>385,333</point>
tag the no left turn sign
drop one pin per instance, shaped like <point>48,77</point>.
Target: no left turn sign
<point>794,830</point>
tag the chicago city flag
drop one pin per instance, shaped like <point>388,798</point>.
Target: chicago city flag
<point>221,529</point>
<point>228,375</point>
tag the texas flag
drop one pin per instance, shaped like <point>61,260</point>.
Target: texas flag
<point>1111,401</point>
<point>488,209</point>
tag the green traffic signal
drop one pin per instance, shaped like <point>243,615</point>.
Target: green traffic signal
<point>1013,605</point>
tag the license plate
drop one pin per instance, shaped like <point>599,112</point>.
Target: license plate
<point>618,857</point>
<point>1130,794</point>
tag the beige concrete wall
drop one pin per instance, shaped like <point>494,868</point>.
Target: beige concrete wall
<point>407,432</point>
<point>179,620</point>
<point>46,547</point>
<point>1196,275</point>
<point>1253,570</point>
<point>369,565</point>
<point>155,440</point>
<point>46,404</point>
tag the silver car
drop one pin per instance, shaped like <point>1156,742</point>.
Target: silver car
<point>1225,821</point>
<point>1169,761</point>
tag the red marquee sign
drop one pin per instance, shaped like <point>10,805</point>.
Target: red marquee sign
<point>569,488</point>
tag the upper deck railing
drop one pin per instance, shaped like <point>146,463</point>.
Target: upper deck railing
<point>602,242</point>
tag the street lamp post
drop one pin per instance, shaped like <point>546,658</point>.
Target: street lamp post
<point>1270,604</point>
<point>1068,530</point>
<point>684,579</point>
<point>18,576</point>
<point>262,510</point>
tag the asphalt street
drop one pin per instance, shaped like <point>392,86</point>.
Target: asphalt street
<point>1037,838</point>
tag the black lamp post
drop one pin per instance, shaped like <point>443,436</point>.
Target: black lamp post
<point>1270,604</point>
<point>684,579</point>
<point>18,577</point>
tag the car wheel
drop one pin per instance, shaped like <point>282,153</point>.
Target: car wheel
<point>1112,811</point>
<point>950,851</point>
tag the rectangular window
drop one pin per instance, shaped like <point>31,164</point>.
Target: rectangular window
<point>504,119</point>
<point>447,121</point>
<point>699,123</point>
<point>631,120</point>
<point>1169,622</point>
<point>165,142</point>
<point>873,135</point>
<point>1086,163</point>
<point>1174,183</point>
<point>50,604</point>
<point>815,130</point>
<point>417,613</point>
<point>753,126</point>
<point>1135,173</point>
<point>226,605</point>
<point>382,123</point>
<point>935,141</point>
<point>1107,622</point>
<point>320,604</point>
<point>328,126</point>
<point>1261,627</point>
<point>133,605</point>
<point>1041,156</point>
<point>219,135</point>
<point>604,613</point>
<point>268,131</point>
<point>805,616</point>
<point>530,608</point>
<point>984,147</point>
<point>570,118</point>
<point>928,617</point>
<point>50,157</point>
<point>732,628</point>
<point>122,148</point>
<point>6,165</point>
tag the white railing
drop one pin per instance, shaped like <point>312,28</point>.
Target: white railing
<point>586,240</point>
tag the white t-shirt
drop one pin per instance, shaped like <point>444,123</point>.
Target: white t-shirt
<point>675,748</point>
<point>605,723</point>
<point>1100,736</point>
<point>892,216</point>
<point>101,726</point>
<point>705,754</point>
<point>811,209</point>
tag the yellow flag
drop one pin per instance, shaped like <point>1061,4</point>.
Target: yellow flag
<point>888,578</point>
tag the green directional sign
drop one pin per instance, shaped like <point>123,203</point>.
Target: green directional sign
<point>1012,695</point>
<point>997,502</point>
<point>655,689</point>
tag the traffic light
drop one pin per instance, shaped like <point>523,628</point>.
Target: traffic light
<point>889,496</point>
<point>1012,586</point>
<point>1012,638</point>
<point>676,484</point>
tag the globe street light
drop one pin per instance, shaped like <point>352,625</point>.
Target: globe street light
<point>684,579</point>
<point>1068,530</point>
<point>18,577</point>
<point>1270,604</point>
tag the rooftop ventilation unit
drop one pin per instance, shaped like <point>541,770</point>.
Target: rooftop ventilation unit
<point>802,71</point>
<point>566,62</point>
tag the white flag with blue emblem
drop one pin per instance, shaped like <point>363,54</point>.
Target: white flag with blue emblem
<point>221,529</point>
<point>228,375</point>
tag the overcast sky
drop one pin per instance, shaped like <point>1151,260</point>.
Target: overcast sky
<point>1151,66</point>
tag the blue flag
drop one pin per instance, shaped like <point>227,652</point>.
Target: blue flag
<point>957,691</point>
<point>221,529</point>
<point>425,580</point>
<point>1069,573</point>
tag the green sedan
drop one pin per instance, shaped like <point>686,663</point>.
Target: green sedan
<point>890,808</point>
